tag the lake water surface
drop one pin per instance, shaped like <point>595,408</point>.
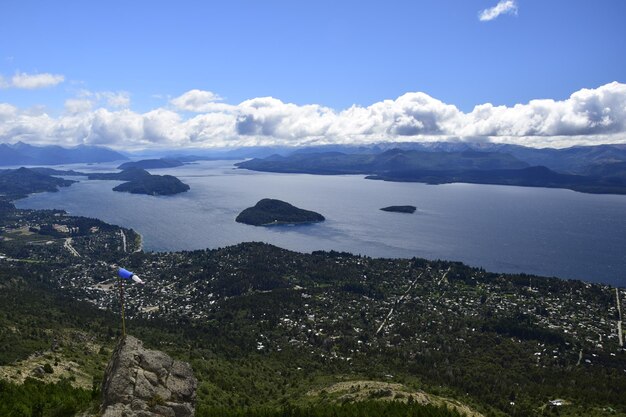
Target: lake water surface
<point>505,229</point>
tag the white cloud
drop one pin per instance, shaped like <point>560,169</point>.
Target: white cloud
<point>118,100</point>
<point>86,99</point>
<point>198,101</point>
<point>586,112</point>
<point>33,81</point>
<point>588,116</point>
<point>7,111</point>
<point>503,7</point>
<point>78,105</point>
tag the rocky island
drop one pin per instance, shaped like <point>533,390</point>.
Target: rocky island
<point>400,209</point>
<point>268,212</point>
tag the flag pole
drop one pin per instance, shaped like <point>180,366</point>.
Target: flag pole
<point>122,307</point>
<point>124,274</point>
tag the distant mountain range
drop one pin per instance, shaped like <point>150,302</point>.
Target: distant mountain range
<point>21,153</point>
<point>593,169</point>
<point>574,160</point>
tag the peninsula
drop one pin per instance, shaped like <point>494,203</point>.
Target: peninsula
<point>18,183</point>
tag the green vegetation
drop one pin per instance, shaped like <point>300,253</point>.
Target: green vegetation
<point>360,409</point>
<point>271,332</point>
<point>268,212</point>
<point>34,398</point>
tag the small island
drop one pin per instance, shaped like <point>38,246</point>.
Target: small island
<point>269,212</point>
<point>400,209</point>
<point>154,185</point>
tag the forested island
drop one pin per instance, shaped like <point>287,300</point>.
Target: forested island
<point>154,185</point>
<point>268,212</point>
<point>400,209</point>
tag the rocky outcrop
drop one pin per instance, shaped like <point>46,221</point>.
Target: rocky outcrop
<point>146,383</point>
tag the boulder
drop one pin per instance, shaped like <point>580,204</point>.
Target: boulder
<point>139,382</point>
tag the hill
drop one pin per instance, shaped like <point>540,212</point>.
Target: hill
<point>269,212</point>
<point>17,183</point>
<point>129,174</point>
<point>152,164</point>
<point>388,161</point>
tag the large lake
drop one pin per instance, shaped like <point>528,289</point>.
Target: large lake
<point>505,229</point>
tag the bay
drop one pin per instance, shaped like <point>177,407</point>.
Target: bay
<point>542,231</point>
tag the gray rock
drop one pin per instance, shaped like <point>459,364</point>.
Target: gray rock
<point>39,372</point>
<point>147,383</point>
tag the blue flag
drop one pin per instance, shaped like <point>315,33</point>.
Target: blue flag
<point>126,274</point>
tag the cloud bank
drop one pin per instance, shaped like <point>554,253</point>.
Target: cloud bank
<point>503,7</point>
<point>197,101</point>
<point>588,116</point>
<point>31,81</point>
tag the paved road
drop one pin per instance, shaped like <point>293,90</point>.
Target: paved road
<point>69,247</point>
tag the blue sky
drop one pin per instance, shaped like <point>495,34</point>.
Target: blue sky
<point>333,54</point>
